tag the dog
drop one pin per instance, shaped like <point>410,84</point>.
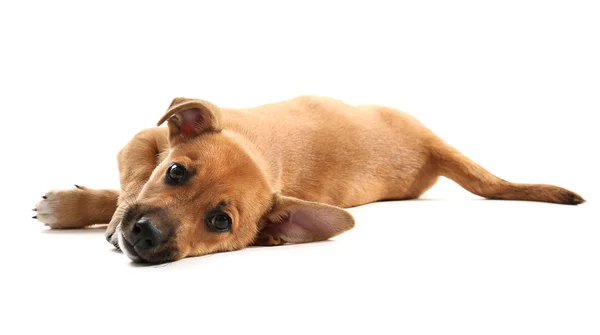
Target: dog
<point>221,179</point>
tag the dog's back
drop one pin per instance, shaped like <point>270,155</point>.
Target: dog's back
<point>321,149</point>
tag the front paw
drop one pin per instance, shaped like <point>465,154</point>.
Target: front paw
<point>268,240</point>
<point>112,231</point>
<point>75,208</point>
<point>57,209</point>
<point>113,238</point>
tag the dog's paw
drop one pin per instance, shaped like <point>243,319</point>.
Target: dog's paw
<point>56,209</point>
<point>112,231</point>
<point>74,208</point>
<point>267,240</point>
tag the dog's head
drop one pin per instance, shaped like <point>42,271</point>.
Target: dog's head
<point>211,194</point>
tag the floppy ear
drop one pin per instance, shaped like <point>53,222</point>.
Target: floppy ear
<point>297,221</point>
<point>188,118</point>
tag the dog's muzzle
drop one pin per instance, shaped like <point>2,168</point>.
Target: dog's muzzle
<point>143,241</point>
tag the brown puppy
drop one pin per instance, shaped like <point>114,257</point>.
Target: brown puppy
<point>219,179</point>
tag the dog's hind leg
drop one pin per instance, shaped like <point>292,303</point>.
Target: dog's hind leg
<point>76,208</point>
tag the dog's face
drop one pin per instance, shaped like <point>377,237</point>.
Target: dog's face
<point>210,195</point>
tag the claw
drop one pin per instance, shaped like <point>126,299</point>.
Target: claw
<point>35,209</point>
<point>77,186</point>
<point>44,197</point>
<point>34,217</point>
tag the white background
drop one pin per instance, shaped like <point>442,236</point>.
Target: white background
<point>513,84</point>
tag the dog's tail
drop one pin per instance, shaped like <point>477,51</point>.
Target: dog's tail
<point>475,179</point>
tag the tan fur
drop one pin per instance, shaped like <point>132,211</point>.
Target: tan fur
<point>77,208</point>
<point>301,159</point>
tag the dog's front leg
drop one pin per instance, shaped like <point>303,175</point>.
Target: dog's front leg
<point>136,161</point>
<point>78,207</point>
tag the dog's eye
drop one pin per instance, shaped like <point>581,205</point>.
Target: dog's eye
<point>218,222</point>
<point>176,174</point>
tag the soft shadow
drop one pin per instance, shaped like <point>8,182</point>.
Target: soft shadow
<point>88,230</point>
<point>222,254</point>
<point>289,245</point>
<point>432,200</point>
<point>147,265</point>
<point>155,265</point>
<point>139,264</point>
<point>396,201</point>
<point>415,200</point>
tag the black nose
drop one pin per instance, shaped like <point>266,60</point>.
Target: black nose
<point>145,235</point>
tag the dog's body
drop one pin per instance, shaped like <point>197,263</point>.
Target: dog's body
<point>281,171</point>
